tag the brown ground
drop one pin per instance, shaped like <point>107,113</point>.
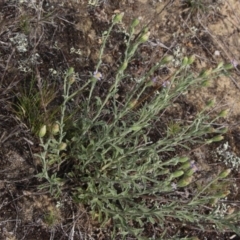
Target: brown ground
<point>69,34</point>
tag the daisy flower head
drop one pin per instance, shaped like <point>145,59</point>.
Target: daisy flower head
<point>166,84</point>
<point>234,63</point>
<point>97,75</point>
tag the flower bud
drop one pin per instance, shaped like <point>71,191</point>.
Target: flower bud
<point>136,128</point>
<point>132,50</point>
<point>62,146</point>
<point>145,30</point>
<point>224,173</point>
<point>214,201</point>
<point>223,113</point>
<point>70,71</point>
<point>183,159</point>
<point>215,139</point>
<point>190,172</point>
<point>71,79</point>
<point>206,83</point>
<point>123,66</point>
<point>208,72</point>
<point>210,103</point>
<point>177,174</point>
<point>135,22</point>
<point>220,65</point>
<point>133,103</point>
<point>209,130</point>
<point>191,59</point>
<point>144,37</point>
<point>228,66</point>
<point>184,181</point>
<point>222,194</point>
<point>163,172</point>
<point>43,131</point>
<point>167,59</point>
<point>118,17</point>
<point>223,130</point>
<point>186,165</point>
<point>55,128</point>
<point>230,210</point>
<point>185,61</point>
<point>205,73</point>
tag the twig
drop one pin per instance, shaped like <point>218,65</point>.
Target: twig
<point>6,68</point>
<point>16,208</point>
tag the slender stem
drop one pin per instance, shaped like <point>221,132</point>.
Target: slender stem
<point>203,190</point>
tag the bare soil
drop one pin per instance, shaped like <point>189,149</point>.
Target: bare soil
<point>69,34</point>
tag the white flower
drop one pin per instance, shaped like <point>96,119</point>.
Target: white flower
<point>97,75</point>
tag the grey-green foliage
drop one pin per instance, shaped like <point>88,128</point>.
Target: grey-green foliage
<point>117,169</point>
